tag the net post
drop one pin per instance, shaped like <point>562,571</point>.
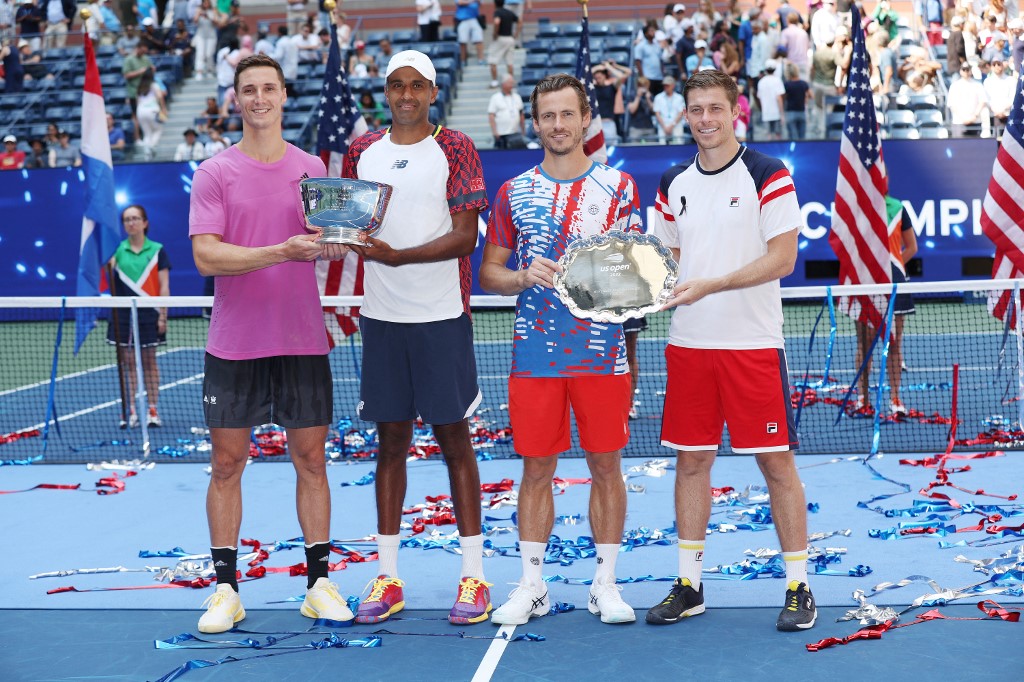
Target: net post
<point>141,404</point>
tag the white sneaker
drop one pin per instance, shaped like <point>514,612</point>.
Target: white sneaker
<point>525,602</point>
<point>324,601</point>
<point>223,610</point>
<point>605,601</point>
<point>133,421</point>
<point>494,84</point>
<point>634,410</point>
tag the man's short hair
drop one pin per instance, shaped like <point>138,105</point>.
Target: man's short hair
<point>254,61</point>
<point>709,79</point>
<point>554,83</point>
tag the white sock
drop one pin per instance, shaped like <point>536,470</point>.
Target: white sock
<point>472,556</point>
<point>533,561</point>
<point>691,561</point>
<point>796,566</point>
<point>387,554</point>
<point>606,556</point>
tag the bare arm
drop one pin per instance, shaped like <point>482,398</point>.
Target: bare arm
<point>776,264</point>
<point>459,242</point>
<point>497,278</point>
<point>215,257</point>
<point>909,244</point>
<point>165,290</point>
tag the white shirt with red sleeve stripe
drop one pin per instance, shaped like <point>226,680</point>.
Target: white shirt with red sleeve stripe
<point>721,221</point>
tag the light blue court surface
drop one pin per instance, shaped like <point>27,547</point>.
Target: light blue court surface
<point>110,634</point>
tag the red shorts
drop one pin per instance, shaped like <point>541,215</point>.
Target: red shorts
<point>746,389</point>
<point>539,410</point>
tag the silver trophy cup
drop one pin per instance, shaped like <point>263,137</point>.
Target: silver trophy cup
<point>344,208</point>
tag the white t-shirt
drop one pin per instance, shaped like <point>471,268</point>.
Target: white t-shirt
<point>427,11</point>
<point>768,90</point>
<point>432,179</point>
<point>721,221</point>
<point>506,110</point>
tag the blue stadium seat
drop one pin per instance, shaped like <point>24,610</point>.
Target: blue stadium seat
<point>532,76</point>
<point>904,134</point>
<point>536,60</point>
<point>403,37</point>
<point>374,37</point>
<point>564,45</point>
<point>930,118</point>
<point>572,30</point>
<point>563,60</point>
<point>57,113</point>
<point>933,133</point>
<point>548,30</point>
<point>627,29</point>
<point>296,120</point>
<point>900,118</point>
<point>834,125</point>
<point>535,46</point>
<point>600,29</point>
<point>449,35</point>
<point>618,57</point>
<point>618,43</point>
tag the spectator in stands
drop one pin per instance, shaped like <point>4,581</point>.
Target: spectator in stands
<point>760,49</point>
<point>797,95</point>
<point>135,68</point>
<point>308,44</point>
<point>887,19</point>
<point>296,15</point>
<point>888,65</point>
<point>128,12</point>
<point>384,54</point>
<point>152,114</point>
<point>231,111</point>
<point>918,73</point>
<point>684,47</point>
<point>823,74</point>
<point>505,114</point>
<point>59,15</point>
<point>152,37</point>
<point>720,35</point>
<point>797,43</point>
<point>179,9</point>
<point>770,91</point>
<point>179,42</point>
<point>31,21</point>
<point>7,11</point>
<point>64,154</point>
<point>741,125</point>
<point>371,109</point>
<point>968,105</point>
<point>843,55</point>
<point>641,112</point>
<point>209,116</point>
<point>1016,29</point>
<point>467,26</point>
<point>95,27</point>
<point>225,66</point>
<point>674,14</point>
<point>14,73</point>
<point>1000,88</point>
<point>343,30</point>
<point>38,157</point>
<point>360,61</point>
<point>127,41</point>
<point>52,137</point>
<point>997,48</point>
<point>669,109</point>
<point>146,9</point>
<point>191,149</point>
<point>111,22</point>
<point>264,45</point>
<point>218,142</point>
<point>503,40</point>
<point>116,138</point>
<point>956,50</point>
<point>932,16</point>
<point>205,39</point>
<point>11,158</point>
<point>728,58</point>
<point>428,18</point>
<point>700,59</point>
<point>704,17</point>
<point>229,24</point>
<point>743,32</point>
<point>824,24</point>
<point>609,78</point>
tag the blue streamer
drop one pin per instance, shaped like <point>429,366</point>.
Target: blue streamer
<point>876,435</point>
<point>807,367</point>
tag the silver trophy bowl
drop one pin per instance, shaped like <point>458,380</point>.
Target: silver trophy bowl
<point>344,208</point>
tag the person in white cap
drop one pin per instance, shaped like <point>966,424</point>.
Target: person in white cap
<point>416,307</point>
<point>11,158</point>
<point>1016,29</point>
<point>823,25</point>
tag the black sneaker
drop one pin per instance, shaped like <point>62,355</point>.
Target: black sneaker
<point>799,613</point>
<point>682,602</point>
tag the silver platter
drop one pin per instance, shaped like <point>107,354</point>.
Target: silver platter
<point>616,276</point>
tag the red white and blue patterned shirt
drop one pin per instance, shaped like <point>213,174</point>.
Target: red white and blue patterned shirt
<point>536,215</point>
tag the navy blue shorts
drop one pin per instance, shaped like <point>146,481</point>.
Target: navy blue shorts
<point>634,325</point>
<point>904,304</point>
<point>424,369</point>
<point>293,391</point>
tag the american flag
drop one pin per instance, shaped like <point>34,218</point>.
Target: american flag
<point>593,140</point>
<point>1002,215</point>
<point>339,122</point>
<point>860,235</point>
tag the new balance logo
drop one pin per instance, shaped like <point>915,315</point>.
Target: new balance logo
<point>682,205</point>
<point>400,163</point>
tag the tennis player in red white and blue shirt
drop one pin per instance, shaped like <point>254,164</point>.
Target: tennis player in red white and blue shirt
<point>561,361</point>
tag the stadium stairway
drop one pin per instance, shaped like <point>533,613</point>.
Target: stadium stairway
<point>469,110</point>
<point>188,103</point>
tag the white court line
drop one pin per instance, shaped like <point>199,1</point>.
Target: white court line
<point>490,660</point>
<point>111,403</point>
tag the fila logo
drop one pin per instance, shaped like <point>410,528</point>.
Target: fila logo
<point>773,427</point>
<point>700,555</point>
<point>400,163</point>
<point>614,257</point>
<point>734,202</point>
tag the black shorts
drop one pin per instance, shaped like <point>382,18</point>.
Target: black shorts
<point>120,334</point>
<point>424,369</point>
<point>904,304</point>
<point>634,325</point>
<point>293,391</point>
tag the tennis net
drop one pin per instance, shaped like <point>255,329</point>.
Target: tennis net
<point>59,407</point>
